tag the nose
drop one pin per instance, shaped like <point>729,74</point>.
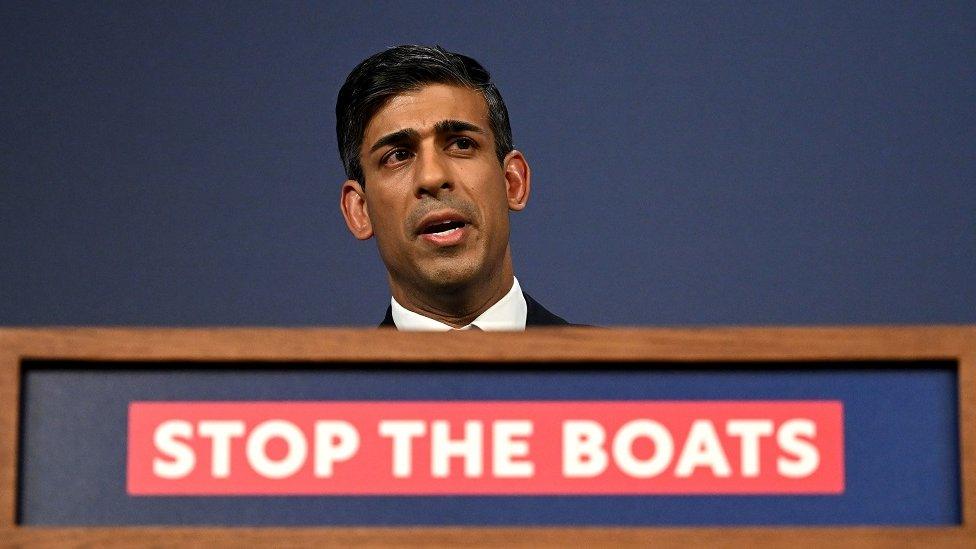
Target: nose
<point>432,175</point>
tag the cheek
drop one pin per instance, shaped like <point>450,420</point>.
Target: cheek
<point>495,209</point>
<point>386,221</point>
<point>497,196</point>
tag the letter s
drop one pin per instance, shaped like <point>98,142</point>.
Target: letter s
<point>167,444</point>
<point>807,456</point>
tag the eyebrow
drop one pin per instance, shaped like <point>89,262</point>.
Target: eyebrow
<point>456,126</point>
<point>410,134</point>
<point>399,136</point>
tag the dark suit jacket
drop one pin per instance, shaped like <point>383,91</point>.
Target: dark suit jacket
<point>536,315</point>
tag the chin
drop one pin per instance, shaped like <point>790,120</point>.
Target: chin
<point>451,275</point>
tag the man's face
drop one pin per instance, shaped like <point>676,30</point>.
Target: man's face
<point>436,197</point>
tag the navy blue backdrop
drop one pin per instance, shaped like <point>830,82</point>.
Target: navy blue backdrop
<point>695,163</point>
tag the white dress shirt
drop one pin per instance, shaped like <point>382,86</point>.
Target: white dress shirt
<point>507,314</point>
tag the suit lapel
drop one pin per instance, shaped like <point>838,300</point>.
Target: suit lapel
<point>388,319</point>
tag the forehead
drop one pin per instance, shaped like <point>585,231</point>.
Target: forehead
<point>423,108</point>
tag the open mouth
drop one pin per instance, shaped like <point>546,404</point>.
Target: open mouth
<point>442,228</point>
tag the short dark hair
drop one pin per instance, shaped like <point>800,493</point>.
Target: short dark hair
<point>403,69</point>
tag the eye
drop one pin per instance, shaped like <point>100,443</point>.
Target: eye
<point>464,143</point>
<point>396,156</point>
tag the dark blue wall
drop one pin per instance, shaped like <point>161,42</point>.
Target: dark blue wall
<point>695,163</point>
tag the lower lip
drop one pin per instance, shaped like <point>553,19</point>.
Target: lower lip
<point>449,238</point>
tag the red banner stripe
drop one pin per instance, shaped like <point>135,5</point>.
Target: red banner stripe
<point>485,447</point>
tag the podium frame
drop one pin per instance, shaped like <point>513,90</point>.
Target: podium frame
<point>782,344</point>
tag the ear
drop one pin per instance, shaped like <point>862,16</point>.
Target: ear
<point>354,210</point>
<point>518,178</point>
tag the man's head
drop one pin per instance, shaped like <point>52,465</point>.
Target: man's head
<point>392,72</point>
<point>426,143</point>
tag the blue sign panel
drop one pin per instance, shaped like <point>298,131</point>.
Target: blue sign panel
<point>900,428</point>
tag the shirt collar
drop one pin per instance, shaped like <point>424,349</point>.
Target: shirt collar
<point>507,314</point>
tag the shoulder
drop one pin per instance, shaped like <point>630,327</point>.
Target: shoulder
<point>537,315</point>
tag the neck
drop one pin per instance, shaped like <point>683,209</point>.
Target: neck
<point>456,306</point>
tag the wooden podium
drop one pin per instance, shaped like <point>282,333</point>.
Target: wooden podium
<point>247,347</point>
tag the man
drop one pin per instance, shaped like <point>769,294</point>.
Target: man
<point>426,144</point>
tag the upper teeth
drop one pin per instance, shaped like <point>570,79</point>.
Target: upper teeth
<point>445,231</point>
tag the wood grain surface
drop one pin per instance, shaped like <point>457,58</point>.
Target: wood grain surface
<point>540,345</point>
